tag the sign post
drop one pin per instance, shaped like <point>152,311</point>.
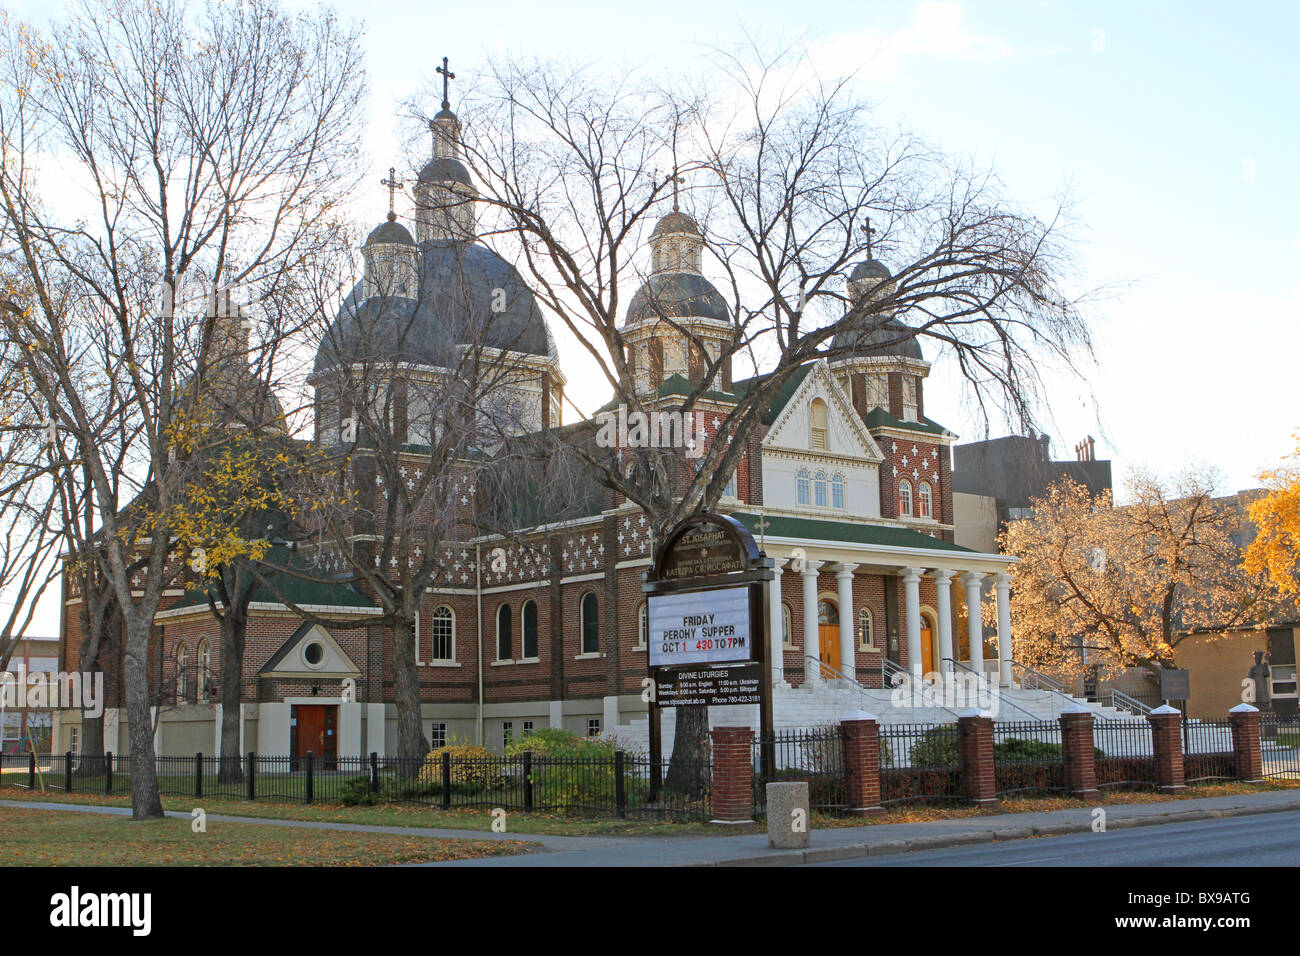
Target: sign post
<point>709,636</point>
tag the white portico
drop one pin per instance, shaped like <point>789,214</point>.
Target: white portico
<point>839,620</point>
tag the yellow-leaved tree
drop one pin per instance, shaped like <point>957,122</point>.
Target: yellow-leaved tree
<point>1128,582</point>
<point>1275,550</point>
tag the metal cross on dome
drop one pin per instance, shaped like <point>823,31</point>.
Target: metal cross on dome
<point>675,179</point>
<point>869,233</point>
<point>447,75</point>
<point>393,184</point>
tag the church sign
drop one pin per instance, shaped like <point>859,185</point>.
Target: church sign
<point>698,627</point>
<point>711,686</point>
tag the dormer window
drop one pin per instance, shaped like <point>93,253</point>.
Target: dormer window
<point>818,437</point>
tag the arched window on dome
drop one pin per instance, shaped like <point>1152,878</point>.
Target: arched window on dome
<point>819,489</point>
<point>905,498</point>
<point>801,486</point>
<point>924,501</point>
<point>837,491</point>
<point>818,438</point>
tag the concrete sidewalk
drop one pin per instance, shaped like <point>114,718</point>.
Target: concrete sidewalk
<point>845,843</point>
<point>827,845</point>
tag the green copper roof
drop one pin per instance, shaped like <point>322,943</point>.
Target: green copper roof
<point>303,592</point>
<point>879,418</point>
<point>850,532</point>
<point>783,394</point>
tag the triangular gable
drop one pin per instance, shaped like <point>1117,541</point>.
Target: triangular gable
<point>841,418</point>
<point>293,659</point>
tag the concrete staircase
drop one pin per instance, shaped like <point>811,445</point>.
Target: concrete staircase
<point>795,707</point>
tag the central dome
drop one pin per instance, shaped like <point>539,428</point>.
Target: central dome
<point>677,295</point>
<point>460,283</point>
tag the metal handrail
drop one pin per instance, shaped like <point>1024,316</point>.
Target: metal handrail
<point>984,677</point>
<point>1122,701</point>
<point>1038,677</point>
<point>844,677</point>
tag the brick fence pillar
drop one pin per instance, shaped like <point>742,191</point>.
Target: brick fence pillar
<point>975,739</point>
<point>733,775</point>
<point>1079,753</point>
<point>1245,743</point>
<point>1167,747</point>
<point>861,736</point>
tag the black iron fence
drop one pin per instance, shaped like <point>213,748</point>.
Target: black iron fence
<point>815,756</point>
<point>1124,754</point>
<point>1207,751</point>
<point>623,784</point>
<point>1279,744</point>
<point>1027,756</point>
<point>919,763</point>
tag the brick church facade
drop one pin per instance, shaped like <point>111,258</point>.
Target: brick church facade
<point>847,484</point>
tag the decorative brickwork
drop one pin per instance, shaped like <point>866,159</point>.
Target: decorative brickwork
<point>1080,757</point>
<point>861,738</point>
<point>733,774</point>
<point>1245,743</point>
<point>1167,747</point>
<point>975,738</point>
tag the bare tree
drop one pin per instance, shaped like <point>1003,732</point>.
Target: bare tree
<point>790,185</point>
<point>213,143</point>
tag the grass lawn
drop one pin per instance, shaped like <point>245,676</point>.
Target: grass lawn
<point>52,838</point>
<point>539,823</point>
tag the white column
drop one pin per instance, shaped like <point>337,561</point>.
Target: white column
<point>811,639</point>
<point>912,615</point>
<point>375,718</point>
<point>1003,584</point>
<point>778,624</point>
<point>975,622</point>
<point>848,637</point>
<point>943,606</point>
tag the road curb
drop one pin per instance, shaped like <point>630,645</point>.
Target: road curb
<point>1000,835</point>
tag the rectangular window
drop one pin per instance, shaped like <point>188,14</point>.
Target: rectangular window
<point>801,484</point>
<point>74,743</point>
<point>837,493</point>
<point>528,727</point>
<point>877,391</point>
<point>593,726</point>
<point>507,732</point>
<point>819,487</point>
<point>438,735</point>
<point>442,629</point>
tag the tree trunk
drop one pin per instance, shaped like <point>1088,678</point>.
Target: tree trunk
<point>234,632</point>
<point>145,802</point>
<point>411,742</point>
<point>97,645</point>
<point>690,751</point>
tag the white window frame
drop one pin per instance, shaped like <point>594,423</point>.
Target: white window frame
<point>819,490</point>
<point>905,485</point>
<point>802,487</point>
<point>866,629</point>
<point>924,500</point>
<point>642,627</point>
<point>433,618</point>
<point>787,625</point>
<point>837,491</point>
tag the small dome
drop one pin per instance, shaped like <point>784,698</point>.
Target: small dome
<point>873,338</point>
<point>677,295</point>
<point>445,170</point>
<point>392,232</point>
<point>444,114</point>
<point>871,269</point>
<point>675,221</point>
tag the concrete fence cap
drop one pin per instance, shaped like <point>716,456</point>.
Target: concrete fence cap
<point>1076,708</point>
<point>1166,709</point>
<point>1244,708</point>
<point>858,715</point>
<point>975,712</point>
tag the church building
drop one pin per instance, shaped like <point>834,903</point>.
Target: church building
<point>847,486</point>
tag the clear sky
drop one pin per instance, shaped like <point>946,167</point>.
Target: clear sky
<point>1173,125</point>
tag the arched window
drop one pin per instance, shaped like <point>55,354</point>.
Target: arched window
<point>866,630</point>
<point>529,627</point>
<point>924,500</point>
<point>817,437</point>
<point>182,670</point>
<point>801,485</point>
<point>442,632</point>
<point>505,637</point>
<point>819,489</point>
<point>643,625</point>
<point>787,634</point>
<point>204,676</point>
<point>837,491</point>
<point>905,498</point>
<point>590,624</point>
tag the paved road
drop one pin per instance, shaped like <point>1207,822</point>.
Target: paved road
<point>1269,839</point>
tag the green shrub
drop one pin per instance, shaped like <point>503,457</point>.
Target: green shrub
<point>356,792</point>
<point>568,771</point>
<point>938,748</point>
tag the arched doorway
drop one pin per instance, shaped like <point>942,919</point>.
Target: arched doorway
<point>929,645</point>
<point>828,630</point>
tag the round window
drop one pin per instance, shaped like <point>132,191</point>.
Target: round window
<point>314,653</point>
